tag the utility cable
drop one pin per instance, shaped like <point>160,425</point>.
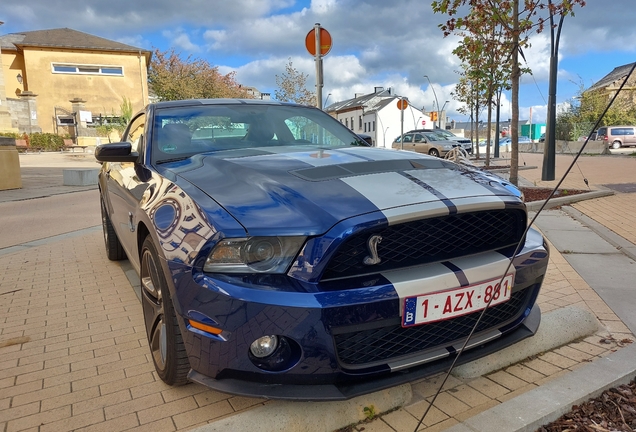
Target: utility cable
<point>519,246</point>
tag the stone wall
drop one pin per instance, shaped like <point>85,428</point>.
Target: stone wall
<point>568,147</point>
<point>20,110</point>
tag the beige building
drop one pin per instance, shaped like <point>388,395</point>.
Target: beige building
<point>51,78</point>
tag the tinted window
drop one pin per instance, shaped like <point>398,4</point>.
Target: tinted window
<point>622,131</point>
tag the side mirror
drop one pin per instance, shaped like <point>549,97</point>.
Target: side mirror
<point>116,152</point>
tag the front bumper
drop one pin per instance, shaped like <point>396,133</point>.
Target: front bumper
<point>315,316</point>
<point>343,391</point>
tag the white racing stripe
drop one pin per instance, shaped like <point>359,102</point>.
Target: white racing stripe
<point>389,190</point>
<point>484,266</point>
<point>450,183</point>
<point>472,204</point>
<point>424,279</point>
<point>413,212</point>
<point>435,277</point>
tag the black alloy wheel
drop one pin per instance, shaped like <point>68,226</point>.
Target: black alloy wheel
<point>114,249</point>
<point>162,329</point>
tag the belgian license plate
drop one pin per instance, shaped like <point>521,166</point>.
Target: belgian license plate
<point>443,305</point>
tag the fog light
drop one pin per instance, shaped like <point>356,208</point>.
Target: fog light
<point>264,346</point>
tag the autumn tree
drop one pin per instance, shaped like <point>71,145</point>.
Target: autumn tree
<point>516,26</point>
<point>173,78</point>
<point>584,110</point>
<point>292,86</point>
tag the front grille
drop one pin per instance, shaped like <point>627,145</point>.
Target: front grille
<point>382,344</point>
<point>429,240</point>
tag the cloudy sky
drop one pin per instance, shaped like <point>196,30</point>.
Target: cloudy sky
<point>375,42</point>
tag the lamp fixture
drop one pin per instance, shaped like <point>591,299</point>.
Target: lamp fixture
<point>19,78</point>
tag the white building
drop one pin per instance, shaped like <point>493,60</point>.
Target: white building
<point>377,114</point>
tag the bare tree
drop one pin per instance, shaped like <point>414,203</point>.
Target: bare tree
<point>292,86</point>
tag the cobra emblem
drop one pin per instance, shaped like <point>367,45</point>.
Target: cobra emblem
<point>372,245</point>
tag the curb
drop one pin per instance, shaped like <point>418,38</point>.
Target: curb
<point>555,398</point>
<point>623,245</point>
<point>561,201</point>
<point>313,416</point>
<point>558,327</point>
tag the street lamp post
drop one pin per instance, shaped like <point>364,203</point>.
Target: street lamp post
<point>327,100</point>
<point>440,118</point>
<point>434,94</point>
<point>384,136</point>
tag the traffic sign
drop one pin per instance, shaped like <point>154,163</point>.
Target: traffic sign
<point>402,104</point>
<point>325,42</point>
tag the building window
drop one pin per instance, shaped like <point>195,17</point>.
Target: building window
<point>360,122</point>
<point>351,123</point>
<point>347,122</point>
<point>365,126</point>
<point>88,69</point>
<point>374,125</point>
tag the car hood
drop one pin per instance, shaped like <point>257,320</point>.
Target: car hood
<point>305,191</point>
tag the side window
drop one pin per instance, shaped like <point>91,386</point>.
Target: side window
<point>135,132</point>
<point>408,138</point>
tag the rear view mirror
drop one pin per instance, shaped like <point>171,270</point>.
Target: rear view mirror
<point>116,152</point>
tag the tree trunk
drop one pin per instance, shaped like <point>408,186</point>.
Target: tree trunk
<point>514,79</point>
<point>488,132</point>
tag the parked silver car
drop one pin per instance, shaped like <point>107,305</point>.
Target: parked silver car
<point>447,135</point>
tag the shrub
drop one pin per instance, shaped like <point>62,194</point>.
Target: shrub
<point>46,141</point>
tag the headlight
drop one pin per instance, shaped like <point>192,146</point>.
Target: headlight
<point>448,146</point>
<point>253,255</point>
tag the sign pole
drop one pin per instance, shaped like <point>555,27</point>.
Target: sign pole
<point>318,60</point>
<point>402,123</point>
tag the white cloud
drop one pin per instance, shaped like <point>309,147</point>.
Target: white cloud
<point>181,40</point>
<point>375,42</point>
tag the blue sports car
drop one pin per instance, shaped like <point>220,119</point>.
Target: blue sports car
<point>281,256</point>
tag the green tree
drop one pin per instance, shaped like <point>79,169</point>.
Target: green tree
<point>173,78</point>
<point>584,110</point>
<point>516,25</point>
<point>292,86</point>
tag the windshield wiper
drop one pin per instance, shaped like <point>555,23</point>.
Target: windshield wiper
<point>173,159</point>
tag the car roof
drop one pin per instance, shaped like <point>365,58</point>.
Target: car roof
<point>195,102</point>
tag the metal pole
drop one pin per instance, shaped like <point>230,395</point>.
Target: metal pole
<point>549,151</point>
<point>436,101</point>
<point>318,60</point>
<point>401,124</point>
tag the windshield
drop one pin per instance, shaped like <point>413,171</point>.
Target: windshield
<point>445,134</point>
<point>182,132</point>
<point>434,137</point>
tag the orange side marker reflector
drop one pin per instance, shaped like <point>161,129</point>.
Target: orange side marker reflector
<point>205,327</point>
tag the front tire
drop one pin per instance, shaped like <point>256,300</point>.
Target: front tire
<point>114,249</point>
<point>162,329</point>
<point>616,145</point>
<point>433,152</point>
